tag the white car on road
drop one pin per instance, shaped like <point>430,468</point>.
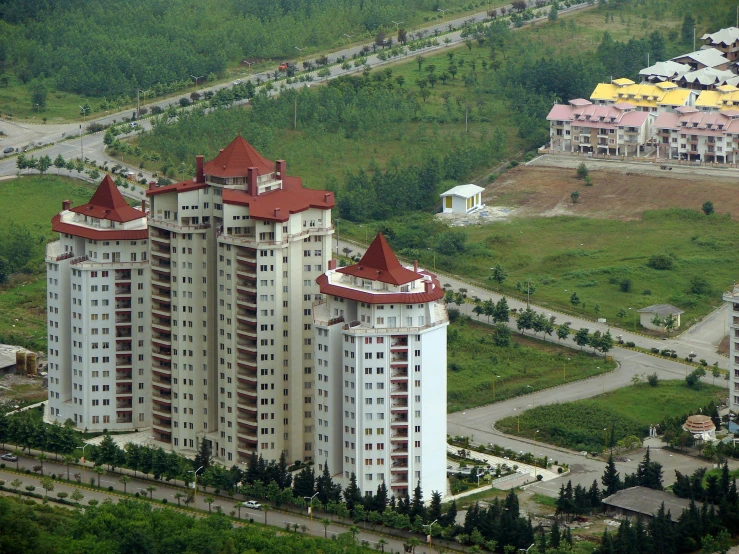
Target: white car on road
<point>253,504</point>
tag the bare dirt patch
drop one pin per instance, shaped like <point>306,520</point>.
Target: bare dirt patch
<point>619,192</point>
<point>15,388</point>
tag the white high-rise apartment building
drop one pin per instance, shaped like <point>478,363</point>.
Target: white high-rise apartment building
<point>380,359</point>
<point>235,253</point>
<point>732,297</point>
<point>98,297</point>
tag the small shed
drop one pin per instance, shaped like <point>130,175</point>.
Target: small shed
<point>646,315</point>
<point>7,359</point>
<point>462,199</point>
<point>700,426</point>
<point>645,502</point>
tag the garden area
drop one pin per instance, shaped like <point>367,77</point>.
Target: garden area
<point>476,364</point>
<point>612,419</point>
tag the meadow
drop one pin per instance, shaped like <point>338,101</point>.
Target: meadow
<point>628,411</point>
<point>475,363</point>
<point>29,204</point>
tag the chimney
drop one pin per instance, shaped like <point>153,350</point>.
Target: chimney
<point>280,169</point>
<point>66,204</point>
<point>332,264</point>
<point>415,266</point>
<point>152,185</point>
<point>143,207</point>
<point>277,212</point>
<point>251,181</point>
<point>199,177</point>
<point>426,287</point>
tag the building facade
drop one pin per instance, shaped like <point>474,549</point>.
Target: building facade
<point>585,127</point>
<point>696,135</point>
<point>732,297</point>
<point>98,300</point>
<point>647,97</point>
<point>380,398</point>
<point>235,253</point>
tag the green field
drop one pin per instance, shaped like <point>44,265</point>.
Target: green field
<point>629,411</point>
<point>31,202</point>
<point>474,362</point>
<point>592,257</point>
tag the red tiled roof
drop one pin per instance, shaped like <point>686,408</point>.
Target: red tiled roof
<point>184,186</point>
<point>108,203</point>
<point>278,204</point>
<point>236,159</point>
<point>436,293</point>
<point>379,263</point>
<point>59,226</point>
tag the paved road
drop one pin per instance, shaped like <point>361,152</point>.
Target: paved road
<point>163,490</point>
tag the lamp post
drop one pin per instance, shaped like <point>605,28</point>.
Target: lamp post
<point>348,38</point>
<point>195,487</point>
<point>82,461</point>
<point>605,438</point>
<point>310,510</point>
<point>38,109</point>
<point>634,318</point>
<point>397,24</point>
<point>430,524</point>
<point>496,377</point>
<point>604,378</point>
<point>518,421</point>
<point>301,53</point>
<point>535,432</point>
<point>249,64</point>
<point>564,371</point>
<point>84,120</point>
<point>532,395</point>
<point>443,12</point>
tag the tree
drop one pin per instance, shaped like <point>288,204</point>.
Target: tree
<point>124,479</point>
<point>42,458</point>
<point>621,313</point>
<point>502,335</point>
<point>669,323</point>
<point>574,299</point>
<point>525,320</point>
<point>575,197</point>
<point>47,484</point>
<point>59,162</point>
<point>707,207</point>
<point>204,456</point>
<point>417,508</point>
<point>100,471</point>
<point>563,331</point>
<point>582,337</point>
<point>107,452</point>
<point>605,343</point>
<point>419,61</point>
<point>38,94</point>
<point>352,493</point>
<point>553,12</point>
<point>209,501</point>
<point>611,479</point>
<point>150,489</point>
<point>43,164</point>
<point>179,496</point>
<point>715,372</point>
<point>582,171</point>
<point>402,35</point>
<point>498,275</point>
<point>76,495</point>
<point>501,313</point>
<point>657,321</point>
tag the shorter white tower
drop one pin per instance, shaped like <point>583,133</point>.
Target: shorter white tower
<point>380,359</point>
<point>98,301</point>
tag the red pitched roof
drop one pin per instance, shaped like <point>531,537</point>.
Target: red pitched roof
<point>435,293</point>
<point>183,186</point>
<point>379,263</point>
<point>278,204</point>
<point>108,203</point>
<point>236,159</point>
<point>59,226</point>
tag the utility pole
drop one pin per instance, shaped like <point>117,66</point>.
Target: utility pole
<point>693,38</point>
<point>295,113</point>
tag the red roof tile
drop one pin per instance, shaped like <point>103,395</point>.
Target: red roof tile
<point>108,203</point>
<point>436,293</point>
<point>184,186</point>
<point>379,263</point>
<point>236,159</point>
<point>59,226</point>
<point>278,204</point>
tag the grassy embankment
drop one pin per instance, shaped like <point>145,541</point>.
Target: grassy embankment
<point>474,362</point>
<point>629,411</point>
<point>32,201</point>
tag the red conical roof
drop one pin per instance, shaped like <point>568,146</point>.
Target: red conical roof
<point>236,159</point>
<point>379,263</point>
<point>108,203</point>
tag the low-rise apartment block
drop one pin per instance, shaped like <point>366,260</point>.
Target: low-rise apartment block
<point>581,126</point>
<point>695,135</point>
<point>647,97</point>
<point>380,351</point>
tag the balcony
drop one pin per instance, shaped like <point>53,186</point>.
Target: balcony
<point>123,332</point>
<point>399,420</point>
<point>399,374</point>
<point>247,380</point>
<point>122,360</point>
<point>246,435</point>
<point>123,317</point>
<point>246,301</point>
<point>160,250</point>
<point>162,354</point>
<point>399,404</point>
<point>161,395</point>
<point>162,423</point>
<point>162,435</point>
<point>123,290</point>
<point>123,346</point>
<point>122,274</point>
<point>125,419</point>
<point>161,323</point>
<point>160,278</point>
<point>248,331</point>
<point>162,410</point>
<point>123,376</point>
<point>161,338</point>
<point>124,304</point>
<point>126,404</point>
<point>163,266</point>
<point>158,382</point>
<point>399,390</point>
<point>160,366</point>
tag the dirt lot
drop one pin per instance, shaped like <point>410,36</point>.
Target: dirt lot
<point>19,388</point>
<point>620,190</point>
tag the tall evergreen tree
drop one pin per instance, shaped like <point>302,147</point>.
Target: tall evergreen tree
<point>555,536</point>
<point>203,458</point>
<point>450,517</point>
<point>304,483</point>
<point>417,509</point>
<point>434,510</point>
<point>379,502</point>
<point>611,480</point>
<point>352,494</point>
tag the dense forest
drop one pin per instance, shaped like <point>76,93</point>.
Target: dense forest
<point>110,48</point>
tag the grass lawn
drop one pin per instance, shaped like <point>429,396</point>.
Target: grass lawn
<point>474,362</point>
<point>630,410</point>
<point>32,201</point>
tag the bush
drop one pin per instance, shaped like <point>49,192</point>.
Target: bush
<point>582,171</point>
<point>137,495</point>
<point>666,352</point>
<point>655,350</point>
<point>653,380</point>
<point>110,488</point>
<point>661,262</point>
<point>164,500</point>
<point>560,470</point>
<point>647,292</point>
<point>631,344</point>
<point>673,355</point>
<point>625,285</point>
<point>251,520</point>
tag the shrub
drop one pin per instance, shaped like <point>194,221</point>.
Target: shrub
<point>655,350</point>
<point>653,380</point>
<point>137,495</point>
<point>110,488</point>
<point>251,520</point>
<point>661,262</point>
<point>164,500</point>
<point>647,292</point>
<point>625,285</point>
<point>674,354</point>
<point>560,470</point>
<point>631,344</point>
<point>582,171</point>
<point>53,475</point>
<point>666,352</point>
<point>588,181</point>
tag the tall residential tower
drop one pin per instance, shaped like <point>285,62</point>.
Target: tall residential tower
<point>380,353</point>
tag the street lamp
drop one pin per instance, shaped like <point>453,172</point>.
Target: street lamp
<point>84,119</point>
<point>532,395</point>
<point>564,371</point>
<point>634,312</point>
<point>82,461</point>
<point>196,79</point>
<point>310,510</point>
<point>434,251</point>
<point>430,524</point>
<point>195,486</point>
<point>518,421</point>
<point>497,377</point>
<point>397,23</point>
<point>348,37</point>
<point>535,432</point>
<point>605,438</point>
<point>249,64</point>
<point>443,12</point>
<point>301,53</point>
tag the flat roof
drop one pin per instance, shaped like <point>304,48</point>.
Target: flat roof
<point>647,501</point>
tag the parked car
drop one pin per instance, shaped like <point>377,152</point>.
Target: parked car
<point>237,82</point>
<point>253,504</point>
<point>284,66</point>
<point>8,150</point>
<point>9,457</point>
